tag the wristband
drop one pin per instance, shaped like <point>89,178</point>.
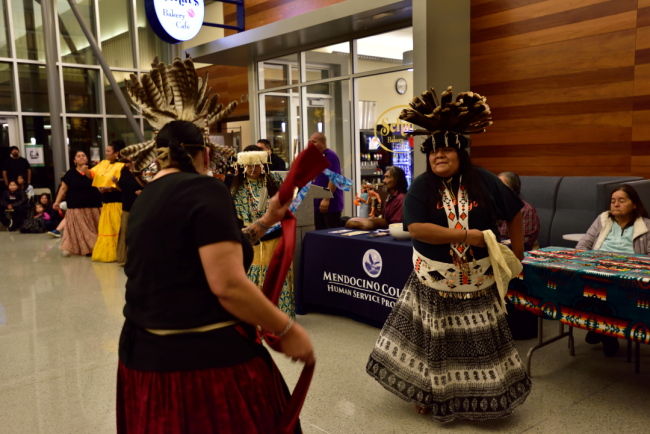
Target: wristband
<point>284,332</point>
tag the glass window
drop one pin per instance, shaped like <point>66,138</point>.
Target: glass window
<point>327,62</point>
<point>148,131</point>
<point>81,88</point>
<point>116,35</point>
<point>5,46</point>
<point>326,109</point>
<point>7,88</point>
<point>28,29</point>
<point>120,129</point>
<point>382,137</point>
<point>32,83</point>
<point>150,44</point>
<point>37,129</point>
<point>385,50</point>
<point>280,123</point>
<point>75,47</point>
<point>84,134</point>
<point>113,106</point>
<point>280,71</point>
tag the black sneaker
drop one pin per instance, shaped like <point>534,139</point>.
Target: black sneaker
<point>54,234</point>
<point>610,345</point>
<point>593,338</point>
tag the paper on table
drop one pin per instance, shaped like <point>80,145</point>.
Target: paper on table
<point>342,231</point>
<point>351,234</point>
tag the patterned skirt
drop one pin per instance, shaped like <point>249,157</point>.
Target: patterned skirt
<point>109,229</point>
<point>450,352</point>
<point>257,274</point>
<point>80,234</point>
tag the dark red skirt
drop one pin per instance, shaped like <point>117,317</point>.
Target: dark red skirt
<point>245,398</point>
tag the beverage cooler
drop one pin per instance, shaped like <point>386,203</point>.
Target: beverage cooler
<point>375,157</point>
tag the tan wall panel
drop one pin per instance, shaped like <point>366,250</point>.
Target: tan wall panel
<point>641,129</point>
<point>598,26</point>
<point>532,11</point>
<point>612,50</point>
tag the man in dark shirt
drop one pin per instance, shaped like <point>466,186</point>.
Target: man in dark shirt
<point>276,163</point>
<point>14,166</point>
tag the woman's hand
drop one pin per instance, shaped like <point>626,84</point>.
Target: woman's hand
<point>102,190</point>
<point>10,207</point>
<point>114,179</point>
<point>276,211</point>
<point>475,238</point>
<point>297,345</point>
<point>56,206</point>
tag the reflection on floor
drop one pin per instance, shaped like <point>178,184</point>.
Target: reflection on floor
<point>60,319</point>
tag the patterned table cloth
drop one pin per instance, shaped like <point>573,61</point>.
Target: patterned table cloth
<point>608,293</point>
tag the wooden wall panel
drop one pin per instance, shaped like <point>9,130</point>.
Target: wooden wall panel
<point>568,82</point>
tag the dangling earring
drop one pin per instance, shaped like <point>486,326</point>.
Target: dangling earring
<point>446,139</point>
<point>263,172</point>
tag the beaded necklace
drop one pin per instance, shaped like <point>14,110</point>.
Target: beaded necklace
<point>254,213</point>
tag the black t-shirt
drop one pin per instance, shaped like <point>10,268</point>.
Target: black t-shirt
<point>129,185</point>
<point>166,287</point>
<point>277,163</point>
<point>504,204</point>
<point>15,167</point>
<point>81,193</point>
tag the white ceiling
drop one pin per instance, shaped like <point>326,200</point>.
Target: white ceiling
<point>389,45</point>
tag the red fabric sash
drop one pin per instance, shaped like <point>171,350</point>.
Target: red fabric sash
<point>305,168</point>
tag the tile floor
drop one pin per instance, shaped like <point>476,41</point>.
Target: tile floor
<point>60,319</point>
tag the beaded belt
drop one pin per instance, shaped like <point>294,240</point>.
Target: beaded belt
<point>201,329</point>
<point>450,281</point>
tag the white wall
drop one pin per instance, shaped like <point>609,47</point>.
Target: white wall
<point>213,14</point>
<point>381,88</point>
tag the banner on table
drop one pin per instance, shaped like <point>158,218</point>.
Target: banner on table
<point>362,276</point>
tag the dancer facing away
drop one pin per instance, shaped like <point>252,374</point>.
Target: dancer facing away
<point>446,346</point>
<point>189,359</point>
<point>253,185</point>
<point>109,223</point>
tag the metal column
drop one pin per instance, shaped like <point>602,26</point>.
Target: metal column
<point>59,153</point>
<point>107,71</point>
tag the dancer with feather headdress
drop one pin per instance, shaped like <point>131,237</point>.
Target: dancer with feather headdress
<point>189,358</point>
<point>446,346</point>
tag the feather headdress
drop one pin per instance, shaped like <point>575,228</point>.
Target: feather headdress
<point>175,93</point>
<point>252,158</point>
<point>446,119</point>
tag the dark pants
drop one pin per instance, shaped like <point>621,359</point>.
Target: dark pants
<point>328,220</point>
<point>51,225</point>
<point>18,217</point>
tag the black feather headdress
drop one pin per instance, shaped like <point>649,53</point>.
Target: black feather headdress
<point>175,93</point>
<point>447,121</point>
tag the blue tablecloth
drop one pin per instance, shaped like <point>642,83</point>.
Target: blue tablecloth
<point>356,276</point>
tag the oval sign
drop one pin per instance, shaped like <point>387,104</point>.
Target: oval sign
<point>175,21</point>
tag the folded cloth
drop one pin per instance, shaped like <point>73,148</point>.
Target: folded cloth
<point>305,167</point>
<point>505,264</point>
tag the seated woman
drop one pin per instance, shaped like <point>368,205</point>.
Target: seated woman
<point>528,214</point>
<point>15,200</point>
<point>625,228</point>
<point>55,217</point>
<point>396,185</point>
<point>29,190</point>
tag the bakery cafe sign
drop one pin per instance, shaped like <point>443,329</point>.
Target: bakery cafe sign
<point>175,21</point>
<point>391,128</point>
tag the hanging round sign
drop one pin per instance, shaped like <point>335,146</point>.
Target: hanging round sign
<point>175,21</point>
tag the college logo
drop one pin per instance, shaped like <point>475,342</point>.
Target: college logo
<point>372,263</point>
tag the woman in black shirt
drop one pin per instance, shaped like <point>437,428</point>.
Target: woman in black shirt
<point>84,209</point>
<point>446,346</point>
<point>189,360</point>
<point>15,200</point>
